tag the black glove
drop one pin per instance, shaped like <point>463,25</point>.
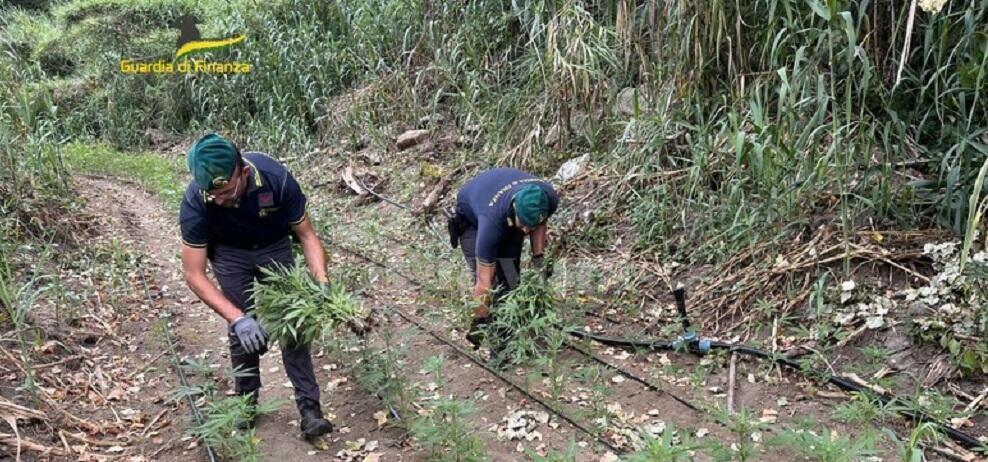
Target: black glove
<point>453,228</point>
<point>538,261</point>
<point>475,335</point>
<point>250,334</point>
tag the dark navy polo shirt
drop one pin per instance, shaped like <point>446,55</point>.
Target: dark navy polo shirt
<point>272,203</point>
<point>485,203</point>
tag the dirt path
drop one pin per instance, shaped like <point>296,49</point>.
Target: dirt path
<point>140,218</point>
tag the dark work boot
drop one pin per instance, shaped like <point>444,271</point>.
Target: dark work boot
<point>250,419</point>
<point>475,334</point>
<point>313,424</point>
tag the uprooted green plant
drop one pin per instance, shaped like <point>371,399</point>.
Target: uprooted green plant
<point>295,309</point>
<point>524,319</point>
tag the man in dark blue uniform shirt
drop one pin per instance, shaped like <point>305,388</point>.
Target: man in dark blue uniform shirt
<point>495,211</point>
<point>238,214</point>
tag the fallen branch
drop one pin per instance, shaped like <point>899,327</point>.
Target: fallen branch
<point>7,439</point>
<point>437,193</point>
<point>864,383</point>
<point>976,402</point>
<point>349,179</point>
<point>82,438</point>
<point>8,408</point>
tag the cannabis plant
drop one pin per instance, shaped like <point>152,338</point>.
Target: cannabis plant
<point>221,418</point>
<point>445,432</point>
<point>670,447</point>
<point>828,446</point>
<point>523,320</point>
<point>294,309</point>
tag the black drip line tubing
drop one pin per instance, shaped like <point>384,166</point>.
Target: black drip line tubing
<point>462,352</point>
<point>690,342</point>
<point>965,440</point>
<point>630,375</point>
<point>170,344</point>
<point>459,350</point>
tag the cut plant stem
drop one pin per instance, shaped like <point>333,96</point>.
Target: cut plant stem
<point>731,377</point>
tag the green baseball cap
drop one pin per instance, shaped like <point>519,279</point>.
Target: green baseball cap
<point>212,160</point>
<point>531,205</point>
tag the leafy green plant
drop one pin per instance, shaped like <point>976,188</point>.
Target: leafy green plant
<point>16,300</point>
<point>553,455</point>
<point>553,365</point>
<point>592,378</point>
<point>828,446</point>
<point>862,409</point>
<point>380,371</point>
<point>747,429</point>
<point>445,432</point>
<point>670,447</point>
<point>911,449</point>
<point>524,319</point>
<point>219,428</point>
<point>221,416</point>
<point>435,365</point>
<point>295,309</point>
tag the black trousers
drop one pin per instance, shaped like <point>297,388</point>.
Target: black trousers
<point>507,272</point>
<point>236,271</point>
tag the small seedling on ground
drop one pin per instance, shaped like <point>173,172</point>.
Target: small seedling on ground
<point>445,432</point>
<point>670,447</point>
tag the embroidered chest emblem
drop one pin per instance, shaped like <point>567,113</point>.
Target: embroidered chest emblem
<point>265,199</point>
<point>265,204</point>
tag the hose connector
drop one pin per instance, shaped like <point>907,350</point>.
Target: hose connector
<point>690,339</point>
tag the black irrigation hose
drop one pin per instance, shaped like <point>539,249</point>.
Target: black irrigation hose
<point>630,375</point>
<point>421,326</point>
<point>467,354</point>
<point>170,344</point>
<point>646,383</point>
<point>381,196</point>
<point>963,439</point>
<point>701,346</point>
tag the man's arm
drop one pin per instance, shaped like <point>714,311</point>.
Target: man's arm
<point>537,239</point>
<point>482,289</point>
<point>315,256</point>
<point>194,267</point>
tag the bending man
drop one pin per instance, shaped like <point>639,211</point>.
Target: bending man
<point>238,213</point>
<point>494,212</point>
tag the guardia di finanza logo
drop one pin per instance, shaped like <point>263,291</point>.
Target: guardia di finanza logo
<point>190,42</point>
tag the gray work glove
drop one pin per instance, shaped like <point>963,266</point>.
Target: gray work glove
<point>250,334</point>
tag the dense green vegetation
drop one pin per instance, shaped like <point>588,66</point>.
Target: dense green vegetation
<point>750,118</point>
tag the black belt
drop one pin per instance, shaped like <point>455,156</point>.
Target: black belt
<point>250,246</point>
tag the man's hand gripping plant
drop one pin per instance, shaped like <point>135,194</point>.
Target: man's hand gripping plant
<point>294,309</point>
